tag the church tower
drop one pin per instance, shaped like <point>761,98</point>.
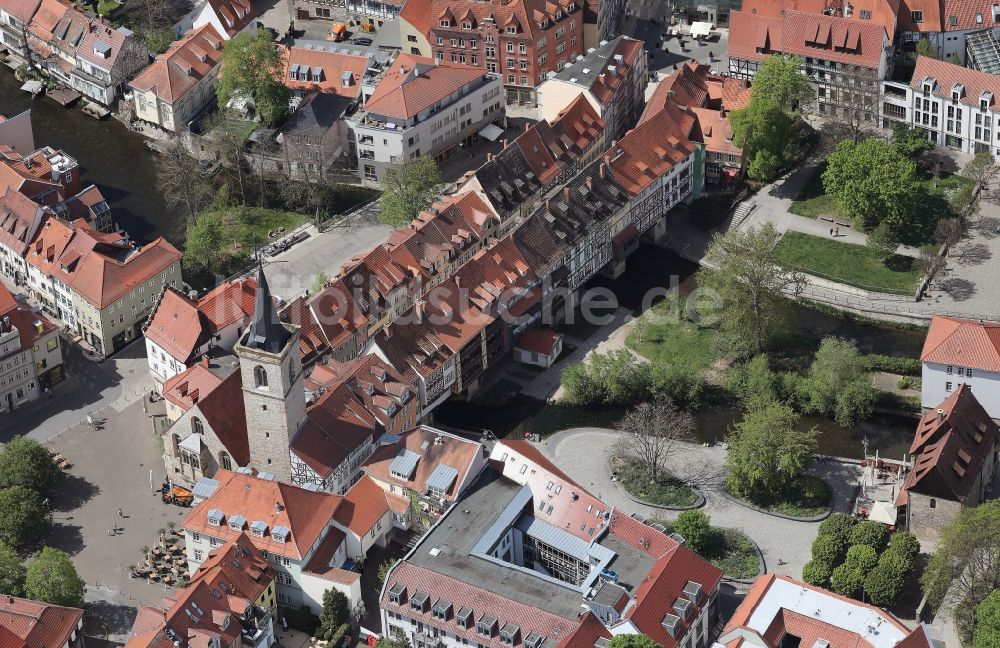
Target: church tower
<point>273,392</point>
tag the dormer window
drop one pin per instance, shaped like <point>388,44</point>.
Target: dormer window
<point>926,88</point>
<point>558,15</point>
<point>464,617</point>
<point>979,19</point>
<point>671,623</point>
<point>445,23</point>
<point>486,625</point>
<point>441,609</point>
<point>280,533</point>
<point>533,640</point>
<point>509,633</point>
<point>917,17</point>
<point>215,517</point>
<point>572,7</point>
<point>954,96</point>
<point>236,522</point>
<point>466,25</point>
<point>866,14</point>
<point>512,30</point>
<point>420,601</point>
<point>397,594</point>
<point>258,528</point>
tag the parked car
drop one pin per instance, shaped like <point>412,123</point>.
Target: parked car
<point>362,41</point>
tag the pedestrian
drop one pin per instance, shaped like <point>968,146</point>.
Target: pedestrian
<point>836,232</point>
<point>120,514</point>
<point>831,231</point>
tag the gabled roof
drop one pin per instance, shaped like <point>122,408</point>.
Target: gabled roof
<point>963,15</point>
<point>945,76</point>
<point>363,506</point>
<point>23,10</point>
<point>177,326</point>
<point>234,15</point>
<point>652,149</point>
<point>31,326</point>
<point>962,342</point>
<point>29,624</point>
<point>102,43</point>
<point>181,67</point>
<point>541,341</point>
<point>305,513</point>
<point>373,383</point>
<point>336,425</point>
<point>334,69</point>
<point>452,451</point>
<point>415,83</point>
<point>191,386</point>
<point>221,407</point>
<point>21,220</point>
<point>951,444</point>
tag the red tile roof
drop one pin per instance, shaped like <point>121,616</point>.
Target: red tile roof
<point>961,342</point>
<point>320,563</point>
<point>334,65</point>
<point>961,15</point>
<point>48,246</point>
<point>101,34</point>
<point>931,16</point>
<point>586,634</point>
<point>374,383</point>
<point>336,425</point>
<point>20,220</point>
<point>30,326</point>
<point>240,567</point>
<point>220,405</point>
<point>177,326</point>
<point>541,341</point>
<point>651,149</point>
<point>607,83</point>
<point>181,67</point>
<point>414,83</point>
<point>947,75</point>
<point>23,10</point>
<point>233,14</point>
<point>715,132</point>
<point>192,385</point>
<point>30,624</point>
<point>305,513</point>
<point>950,447</point>
<point>453,451</point>
<point>363,506</point>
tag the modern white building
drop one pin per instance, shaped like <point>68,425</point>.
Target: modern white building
<point>422,106</point>
<point>956,352</point>
<point>957,107</point>
<point>228,17</point>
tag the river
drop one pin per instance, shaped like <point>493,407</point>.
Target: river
<point>110,156</point>
<point>650,267</point>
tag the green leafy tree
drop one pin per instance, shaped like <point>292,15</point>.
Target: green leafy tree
<point>696,528</point>
<point>838,525</point>
<point>408,188</point>
<point>52,578</point>
<point>677,381</point>
<point>12,572</point>
<point>905,544</point>
<point>742,269</point>
<point>204,248</point>
<point>767,451</point>
<point>632,641</point>
<point>754,383</point>
<point>252,69</point>
<point>882,242</point>
<point>335,613</point>
<point>766,133</point>
<point>855,403</point>
<point>23,518</point>
<point>847,581</point>
<point>925,48</point>
<point>779,80</point>
<point>872,182</point>
<point>816,572</point>
<point>965,567</point>
<point>383,570</point>
<point>828,549</point>
<point>318,282</point>
<point>862,557</point>
<point>612,378</point>
<point>988,622</point>
<point>871,533</point>
<point>838,383</point>
<point>25,462</point>
<point>883,585</point>
<point>911,141</point>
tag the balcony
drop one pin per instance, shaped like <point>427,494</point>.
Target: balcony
<point>256,626</point>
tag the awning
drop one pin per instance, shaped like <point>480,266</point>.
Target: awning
<point>883,512</point>
<point>701,29</point>
<point>491,132</point>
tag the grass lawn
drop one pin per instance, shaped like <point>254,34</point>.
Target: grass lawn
<point>806,496</point>
<point>727,549</point>
<point>847,263</point>
<point>678,339</point>
<point>812,201</point>
<point>250,225</point>
<point>107,7</point>
<point>665,491</point>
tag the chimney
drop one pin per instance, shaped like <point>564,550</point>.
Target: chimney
<point>722,111</point>
<point>590,183</point>
<point>548,205</point>
<point>504,142</point>
<point>437,61</point>
<point>566,194</point>
<point>419,309</point>
<point>204,361</point>
<point>527,127</point>
<point>489,157</point>
<point>603,171</point>
<point>458,284</point>
<point>940,414</point>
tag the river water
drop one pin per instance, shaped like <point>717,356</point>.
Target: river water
<point>110,156</point>
<point>651,267</point>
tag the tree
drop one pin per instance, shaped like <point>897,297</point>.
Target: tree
<point>931,263</point>
<point>980,167</point>
<point>612,378</point>
<point>847,581</point>
<point>828,549</point>
<point>179,179</point>
<point>12,572</point>
<point>965,567</point>
<point>252,69</point>
<point>911,141</point>
<point>25,462</point>
<point>872,182</point>
<point>882,242</point>
<point>904,544</point>
<point>383,569</point>
<point>871,533</point>
<point>319,281</point>
<point>23,518</point>
<point>335,613</point>
<point>780,80</point>
<point>949,231</point>
<point>632,641</point>
<point>765,132</point>
<point>678,381</point>
<point>229,136</point>
<point>651,431</point>
<point>988,622</point>
<point>408,189</point>
<point>150,15</point>
<point>205,244</point>
<point>838,525</point>
<point>694,525</point>
<point>838,384</point>
<point>862,557</point>
<point>883,585</point>
<point>741,267</point>
<point>754,383</point>
<point>767,451</point>
<point>924,48</point>
<point>52,578</point>
<point>817,572</point>
<point>855,403</point>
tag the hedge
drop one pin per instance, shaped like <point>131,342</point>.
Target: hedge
<point>337,638</point>
<point>884,585</point>
<point>905,544</point>
<point>891,364</point>
<point>847,581</point>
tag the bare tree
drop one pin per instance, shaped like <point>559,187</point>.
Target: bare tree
<point>931,264</point>
<point>181,182</point>
<point>651,432</point>
<point>151,15</point>
<point>949,231</point>
<point>309,151</point>
<point>229,134</point>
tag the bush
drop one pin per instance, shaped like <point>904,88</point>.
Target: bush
<point>894,561</point>
<point>906,382</point>
<point>847,581</point>
<point>336,637</point>
<point>817,572</point>
<point>855,402</point>
<point>614,378</point>
<point>861,557</point>
<point>828,549</point>
<point>681,383</point>
<point>883,586</point>
<point>905,544</point>
<point>838,525</point>
<point>695,527</point>
<point>891,364</point>
<point>871,533</point>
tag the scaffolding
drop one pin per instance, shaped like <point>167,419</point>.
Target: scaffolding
<point>982,52</point>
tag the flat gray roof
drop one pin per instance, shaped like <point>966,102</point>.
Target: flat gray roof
<point>585,72</point>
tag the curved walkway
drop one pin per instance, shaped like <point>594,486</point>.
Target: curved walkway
<point>583,454</point>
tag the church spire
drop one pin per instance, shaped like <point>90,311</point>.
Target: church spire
<point>266,331</point>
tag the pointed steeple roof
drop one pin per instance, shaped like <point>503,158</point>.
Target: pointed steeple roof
<point>266,331</point>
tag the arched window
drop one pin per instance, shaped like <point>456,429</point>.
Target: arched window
<point>175,441</point>
<point>224,461</point>
<point>259,376</point>
<point>196,426</point>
